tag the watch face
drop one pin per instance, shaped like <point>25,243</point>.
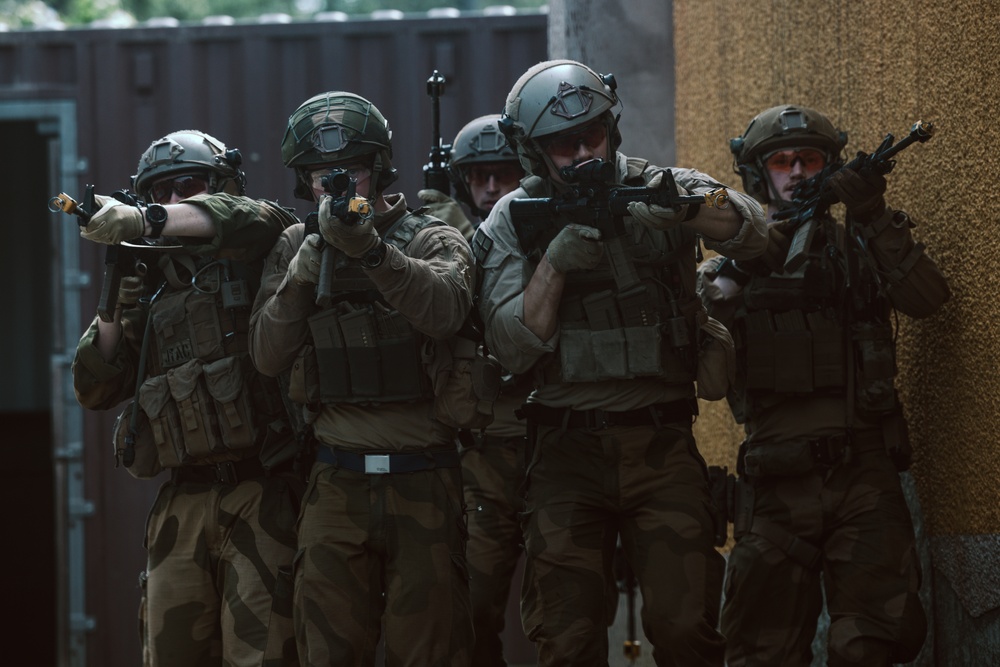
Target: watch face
<point>156,214</point>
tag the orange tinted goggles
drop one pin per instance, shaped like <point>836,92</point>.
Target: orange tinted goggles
<point>813,160</point>
<point>565,145</point>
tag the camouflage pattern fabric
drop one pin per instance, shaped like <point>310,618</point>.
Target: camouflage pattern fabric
<point>871,573</point>
<point>219,587</point>
<point>651,486</point>
<point>386,548</point>
<point>492,473</point>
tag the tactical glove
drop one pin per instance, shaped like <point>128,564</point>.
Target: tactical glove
<point>354,239</point>
<point>654,216</point>
<point>575,248</point>
<point>129,291</point>
<point>861,192</point>
<point>304,267</point>
<point>114,222</point>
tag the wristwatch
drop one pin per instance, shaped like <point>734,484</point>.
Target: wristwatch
<point>374,257</point>
<point>156,216</point>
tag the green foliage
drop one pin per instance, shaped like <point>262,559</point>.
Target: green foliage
<point>195,10</point>
<point>85,11</point>
<point>28,13</point>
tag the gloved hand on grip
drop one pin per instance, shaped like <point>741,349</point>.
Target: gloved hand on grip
<point>353,239</point>
<point>129,291</point>
<point>114,222</point>
<point>575,248</point>
<point>304,267</point>
<point>861,192</point>
<point>654,216</point>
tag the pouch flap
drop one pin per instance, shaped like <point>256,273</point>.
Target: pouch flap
<point>183,380</point>
<point>224,379</point>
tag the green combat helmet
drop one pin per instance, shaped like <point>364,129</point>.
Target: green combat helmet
<point>556,96</point>
<point>480,141</point>
<point>337,128</point>
<point>187,152</point>
<point>785,126</point>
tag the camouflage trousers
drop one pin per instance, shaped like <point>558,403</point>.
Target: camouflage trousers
<point>650,487</point>
<point>857,515</point>
<point>219,575</point>
<point>382,548</point>
<point>492,473</point>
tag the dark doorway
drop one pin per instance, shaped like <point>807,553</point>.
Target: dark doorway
<point>26,477</point>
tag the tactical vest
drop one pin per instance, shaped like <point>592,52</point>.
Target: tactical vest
<point>204,400</point>
<point>809,333</point>
<point>365,351</point>
<point>631,316</point>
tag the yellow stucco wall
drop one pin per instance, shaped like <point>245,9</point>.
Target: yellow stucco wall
<point>875,67</point>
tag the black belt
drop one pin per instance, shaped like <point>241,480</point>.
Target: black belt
<point>653,415</point>
<point>832,448</point>
<point>381,464</point>
<point>761,459</point>
<point>227,472</point>
<point>485,440</point>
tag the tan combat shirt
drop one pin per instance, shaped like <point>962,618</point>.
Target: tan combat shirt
<point>506,272</point>
<point>430,284</point>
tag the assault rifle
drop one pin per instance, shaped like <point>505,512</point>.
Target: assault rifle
<point>436,170</point>
<point>117,259</point>
<point>594,200</point>
<point>813,197</point>
<point>350,209</point>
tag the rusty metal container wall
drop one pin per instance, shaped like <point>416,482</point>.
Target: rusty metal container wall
<point>239,83</point>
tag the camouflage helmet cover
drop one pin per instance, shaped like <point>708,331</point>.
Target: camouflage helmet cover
<point>556,96</point>
<point>337,127</point>
<point>190,151</point>
<point>777,128</point>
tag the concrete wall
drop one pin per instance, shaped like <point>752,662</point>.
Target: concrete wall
<point>634,41</point>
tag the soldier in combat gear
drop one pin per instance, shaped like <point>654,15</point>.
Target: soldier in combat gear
<point>819,490</point>
<point>382,530</point>
<point>220,535</point>
<point>483,168</point>
<point>609,322</point>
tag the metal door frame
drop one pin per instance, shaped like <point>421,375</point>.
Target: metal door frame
<point>56,119</point>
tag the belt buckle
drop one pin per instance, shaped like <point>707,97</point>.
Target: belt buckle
<point>225,473</point>
<point>828,450</point>
<point>376,464</point>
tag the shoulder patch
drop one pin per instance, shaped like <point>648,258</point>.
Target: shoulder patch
<point>481,246</point>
